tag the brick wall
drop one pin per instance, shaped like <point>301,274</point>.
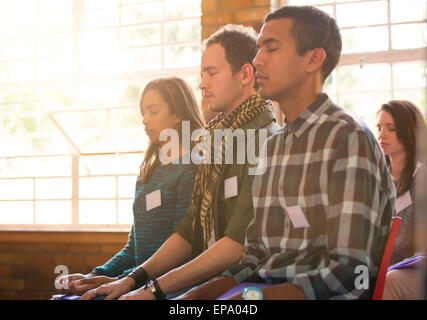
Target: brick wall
<point>28,258</point>
<point>216,13</point>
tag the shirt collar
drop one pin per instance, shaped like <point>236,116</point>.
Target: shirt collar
<point>310,115</point>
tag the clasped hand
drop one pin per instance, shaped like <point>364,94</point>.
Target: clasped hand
<point>120,289</point>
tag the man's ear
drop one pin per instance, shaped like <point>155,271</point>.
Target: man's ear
<point>247,73</point>
<point>316,58</point>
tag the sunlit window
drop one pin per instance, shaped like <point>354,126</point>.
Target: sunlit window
<point>384,52</point>
<point>71,72</point>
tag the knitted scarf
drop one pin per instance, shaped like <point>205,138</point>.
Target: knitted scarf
<point>208,174</point>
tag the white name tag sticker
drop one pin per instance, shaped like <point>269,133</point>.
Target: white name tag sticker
<point>297,217</point>
<point>230,187</point>
<point>403,202</point>
<point>153,200</point>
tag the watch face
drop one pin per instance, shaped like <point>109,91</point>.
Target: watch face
<point>252,295</point>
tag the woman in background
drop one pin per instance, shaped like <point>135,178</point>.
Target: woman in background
<point>163,191</point>
<point>402,133</point>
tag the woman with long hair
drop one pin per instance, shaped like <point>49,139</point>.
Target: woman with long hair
<point>163,190</point>
<point>402,136</point>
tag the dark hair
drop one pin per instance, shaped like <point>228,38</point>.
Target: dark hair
<point>311,29</point>
<point>239,44</point>
<point>411,131</point>
<point>181,102</point>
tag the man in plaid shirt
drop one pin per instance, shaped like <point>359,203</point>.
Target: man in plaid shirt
<point>323,198</point>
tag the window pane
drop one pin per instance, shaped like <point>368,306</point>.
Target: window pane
<point>125,212</point>
<point>55,45</point>
<point>142,13</point>
<point>96,4</point>
<point>104,94</point>
<point>15,146</point>
<point>17,71</point>
<point>111,164</point>
<point>127,186</point>
<point>409,36</point>
<point>46,140</point>
<point>330,85</point>
<point>97,187</point>
<point>101,17</point>
<point>53,188</point>
<point>55,68</point>
<point>182,9</point>
<point>365,39</point>
<point>140,59</point>
<point>16,49</point>
<point>131,1</point>
<point>58,97</point>
<point>369,77</point>
<point>53,212</point>
<point>98,131</point>
<point>400,11</point>
<point>409,75</point>
<point>13,95</point>
<point>30,124</point>
<point>362,14</point>
<point>418,97</point>
<point>133,163</point>
<point>97,211</point>
<point>99,51</point>
<point>182,56</point>
<point>132,37</point>
<point>26,129</point>
<point>58,21</point>
<point>123,127</point>
<point>16,22</point>
<point>364,105</point>
<point>19,189</point>
<point>182,30</point>
<point>53,6</point>
<point>81,127</point>
<point>16,212</point>
<point>10,168</point>
<point>52,166</point>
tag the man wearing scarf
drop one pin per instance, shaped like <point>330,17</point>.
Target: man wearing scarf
<point>211,236</point>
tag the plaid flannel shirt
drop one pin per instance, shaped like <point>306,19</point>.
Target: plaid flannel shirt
<point>331,167</point>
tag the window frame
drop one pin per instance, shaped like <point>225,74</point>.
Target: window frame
<point>76,81</point>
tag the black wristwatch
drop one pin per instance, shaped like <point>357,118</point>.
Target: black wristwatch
<point>153,286</point>
<point>140,277</point>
